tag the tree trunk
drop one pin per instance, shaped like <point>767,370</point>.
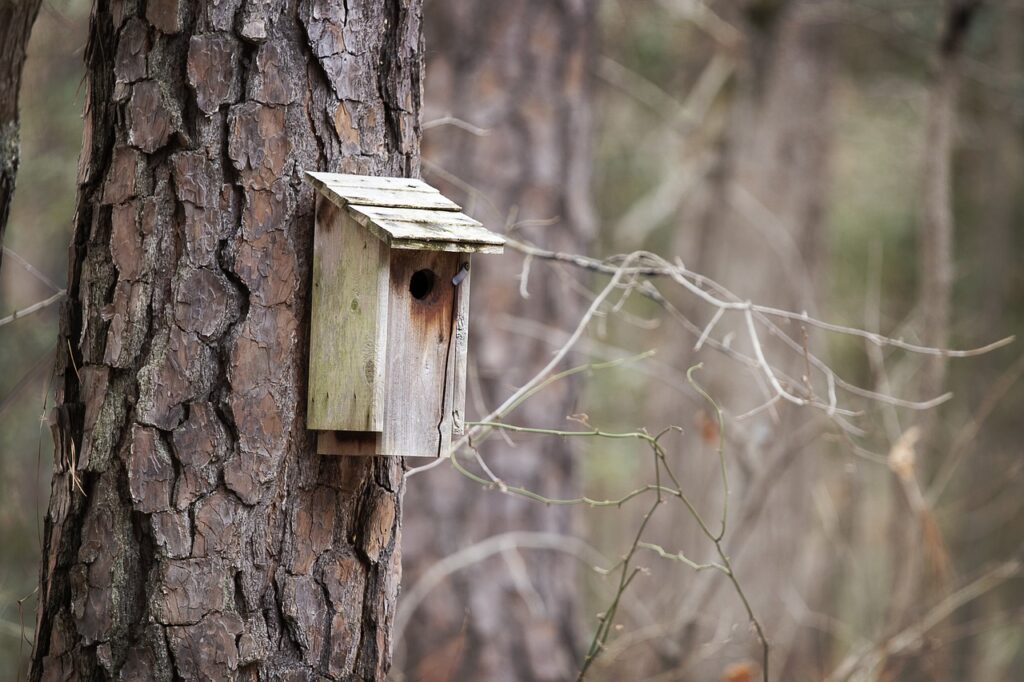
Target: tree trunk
<point>16,19</point>
<point>520,70</point>
<point>994,175</point>
<point>935,237</point>
<point>192,531</point>
<point>919,555</point>
<point>759,229</point>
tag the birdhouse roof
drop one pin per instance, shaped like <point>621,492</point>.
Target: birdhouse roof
<point>406,213</point>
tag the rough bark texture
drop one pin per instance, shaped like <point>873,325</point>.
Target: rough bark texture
<point>192,531</point>
<point>16,19</point>
<point>518,69</point>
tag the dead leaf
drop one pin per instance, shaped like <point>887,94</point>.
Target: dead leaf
<point>902,453</point>
<point>738,672</point>
<point>708,427</point>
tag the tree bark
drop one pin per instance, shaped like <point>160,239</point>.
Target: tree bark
<point>16,20</point>
<point>192,530</point>
<point>520,70</point>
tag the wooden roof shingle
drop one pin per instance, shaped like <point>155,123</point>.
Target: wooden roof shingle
<point>406,213</point>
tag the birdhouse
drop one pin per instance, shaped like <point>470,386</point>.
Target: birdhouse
<point>390,318</point>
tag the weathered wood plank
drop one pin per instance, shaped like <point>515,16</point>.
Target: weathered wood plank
<point>390,198</point>
<point>406,194</point>
<point>348,326</point>
<point>406,213</point>
<point>395,224</point>
<point>457,405</point>
<point>451,247</point>
<point>369,181</point>
<point>421,355</point>
<point>417,216</point>
<point>388,358</point>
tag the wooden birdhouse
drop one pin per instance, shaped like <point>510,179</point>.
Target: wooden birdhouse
<point>390,319</point>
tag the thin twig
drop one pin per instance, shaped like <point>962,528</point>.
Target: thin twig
<point>32,270</point>
<point>874,653</point>
<point>35,307</point>
<point>660,267</point>
<point>455,122</point>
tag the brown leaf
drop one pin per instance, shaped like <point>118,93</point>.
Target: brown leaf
<point>708,427</point>
<point>738,672</point>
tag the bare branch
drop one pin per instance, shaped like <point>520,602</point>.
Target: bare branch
<point>875,653</point>
<point>35,307</point>
<point>450,120</point>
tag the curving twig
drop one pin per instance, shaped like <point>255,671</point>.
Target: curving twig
<point>34,308</point>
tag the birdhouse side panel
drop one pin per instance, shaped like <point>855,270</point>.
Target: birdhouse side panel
<point>457,407</point>
<point>421,353</point>
<point>348,324</point>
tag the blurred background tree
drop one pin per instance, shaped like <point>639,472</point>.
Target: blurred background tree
<point>16,19</point>
<point>778,145</point>
<point>39,230</point>
<point>508,134</point>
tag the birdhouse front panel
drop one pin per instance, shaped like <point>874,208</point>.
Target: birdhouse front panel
<point>389,336</point>
<point>421,351</point>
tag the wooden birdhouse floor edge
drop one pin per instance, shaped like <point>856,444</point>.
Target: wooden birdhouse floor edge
<point>356,444</point>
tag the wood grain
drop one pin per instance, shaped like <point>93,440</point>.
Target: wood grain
<point>348,325</point>
<point>420,356</point>
<point>406,194</point>
<point>406,213</point>
<point>370,181</point>
<point>365,315</point>
<point>461,351</point>
<point>428,227</point>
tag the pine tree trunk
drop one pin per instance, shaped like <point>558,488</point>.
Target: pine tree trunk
<point>918,554</point>
<point>758,229</point>
<point>520,70</point>
<point>16,19</point>
<point>192,531</point>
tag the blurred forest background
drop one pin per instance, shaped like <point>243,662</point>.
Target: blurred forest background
<point>809,155</point>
